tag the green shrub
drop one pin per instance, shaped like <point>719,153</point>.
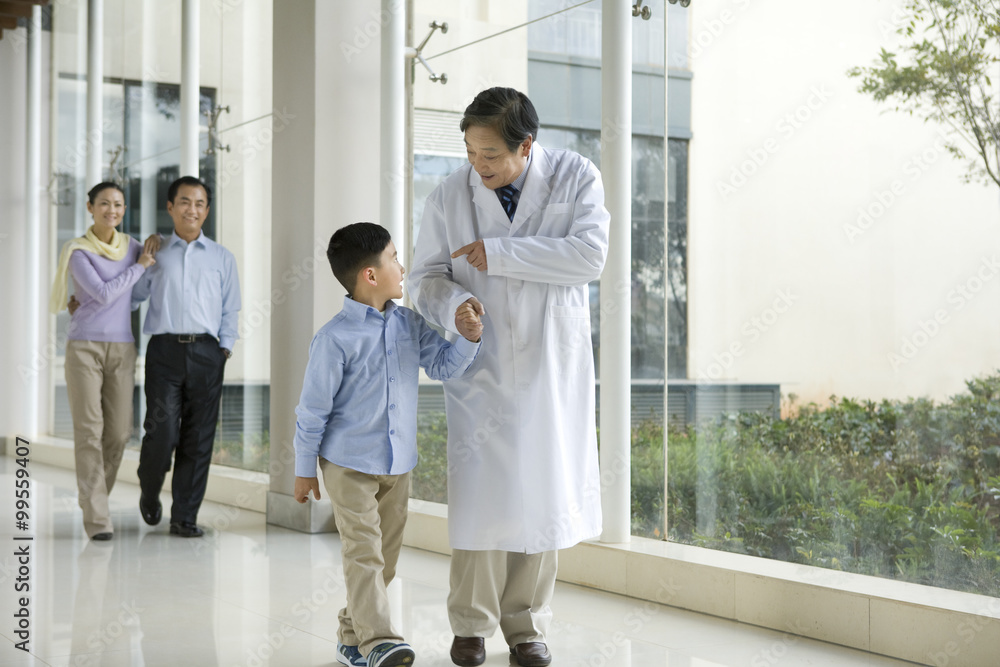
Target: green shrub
<point>429,480</point>
<point>900,489</point>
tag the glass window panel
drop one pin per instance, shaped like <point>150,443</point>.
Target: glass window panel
<point>141,151</point>
<point>575,32</point>
<point>429,478</point>
<point>241,122</point>
<point>842,351</point>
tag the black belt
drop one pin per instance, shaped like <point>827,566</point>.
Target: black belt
<point>184,338</point>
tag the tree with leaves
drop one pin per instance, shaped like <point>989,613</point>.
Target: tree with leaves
<point>949,49</point>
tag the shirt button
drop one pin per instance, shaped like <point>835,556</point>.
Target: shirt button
<point>392,379</point>
<point>389,352</point>
<point>392,407</point>
<point>392,431</point>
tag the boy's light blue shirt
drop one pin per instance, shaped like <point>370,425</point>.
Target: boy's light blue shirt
<point>358,407</point>
<point>194,289</point>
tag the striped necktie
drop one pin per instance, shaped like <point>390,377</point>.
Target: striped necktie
<point>508,196</point>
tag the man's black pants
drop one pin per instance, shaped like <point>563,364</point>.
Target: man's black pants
<point>183,388</point>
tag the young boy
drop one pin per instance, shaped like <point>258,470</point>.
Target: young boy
<point>357,415</point>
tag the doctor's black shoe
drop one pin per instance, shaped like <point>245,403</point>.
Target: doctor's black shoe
<point>532,654</point>
<point>468,651</point>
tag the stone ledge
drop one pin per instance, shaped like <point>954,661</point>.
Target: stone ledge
<point>926,625</point>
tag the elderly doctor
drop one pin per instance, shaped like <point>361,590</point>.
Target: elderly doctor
<point>518,232</point>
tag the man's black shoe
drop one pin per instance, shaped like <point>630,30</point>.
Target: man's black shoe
<point>151,512</point>
<point>185,529</point>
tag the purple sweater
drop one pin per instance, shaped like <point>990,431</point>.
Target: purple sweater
<point>104,289</point>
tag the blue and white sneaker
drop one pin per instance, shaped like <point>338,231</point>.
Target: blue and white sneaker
<point>350,655</point>
<point>390,655</point>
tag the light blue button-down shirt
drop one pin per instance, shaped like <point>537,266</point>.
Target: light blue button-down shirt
<point>359,397</point>
<point>193,288</point>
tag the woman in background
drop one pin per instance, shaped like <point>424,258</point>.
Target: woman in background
<point>100,349</point>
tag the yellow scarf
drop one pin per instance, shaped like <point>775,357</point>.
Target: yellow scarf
<point>115,251</point>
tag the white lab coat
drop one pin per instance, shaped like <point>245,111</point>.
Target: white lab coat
<point>522,444</point>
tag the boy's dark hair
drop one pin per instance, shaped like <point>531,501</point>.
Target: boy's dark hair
<point>354,247</point>
<point>188,180</point>
<point>101,187</point>
<point>507,111</point>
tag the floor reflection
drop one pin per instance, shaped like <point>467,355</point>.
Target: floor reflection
<point>253,595</point>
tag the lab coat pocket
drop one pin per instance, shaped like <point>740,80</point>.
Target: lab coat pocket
<point>408,352</point>
<point>557,219</point>
<point>573,351</point>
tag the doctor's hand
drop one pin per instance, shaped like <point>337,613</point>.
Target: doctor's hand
<point>303,485</point>
<point>72,305</point>
<point>468,320</point>
<point>476,252</point>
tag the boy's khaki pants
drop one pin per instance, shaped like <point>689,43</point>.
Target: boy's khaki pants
<point>370,511</point>
<point>100,378</point>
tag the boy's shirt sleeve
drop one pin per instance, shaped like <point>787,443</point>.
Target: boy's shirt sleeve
<point>324,373</point>
<point>443,360</point>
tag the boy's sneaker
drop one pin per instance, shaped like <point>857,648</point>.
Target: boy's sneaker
<point>350,655</point>
<point>390,655</point>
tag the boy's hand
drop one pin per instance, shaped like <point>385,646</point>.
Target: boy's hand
<point>72,305</point>
<point>468,319</point>
<point>303,485</point>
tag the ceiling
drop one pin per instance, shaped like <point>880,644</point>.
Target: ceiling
<point>12,10</point>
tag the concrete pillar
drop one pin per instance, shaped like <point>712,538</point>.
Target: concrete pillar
<point>95,93</point>
<point>33,218</point>
<point>190,86</point>
<point>326,174</point>
<point>393,113</point>
<point>616,283</point>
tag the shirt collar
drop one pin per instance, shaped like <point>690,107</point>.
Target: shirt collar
<point>202,240</point>
<point>519,181</point>
<point>359,311</point>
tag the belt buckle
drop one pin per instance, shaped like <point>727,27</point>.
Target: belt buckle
<point>187,338</point>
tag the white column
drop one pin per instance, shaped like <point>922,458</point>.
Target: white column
<point>311,73</point>
<point>407,256</point>
<point>392,95</point>
<point>32,211</point>
<point>95,93</point>
<point>666,260</point>
<point>190,94</point>
<point>147,169</point>
<point>616,292</point>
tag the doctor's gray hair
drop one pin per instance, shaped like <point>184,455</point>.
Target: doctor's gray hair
<point>507,111</point>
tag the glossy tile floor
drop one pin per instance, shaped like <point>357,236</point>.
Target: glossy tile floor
<point>249,594</point>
